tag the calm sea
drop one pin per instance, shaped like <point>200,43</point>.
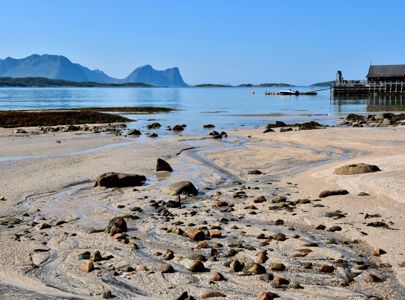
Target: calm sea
<point>225,107</point>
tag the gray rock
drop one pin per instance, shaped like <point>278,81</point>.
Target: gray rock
<point>354,169</point>
<point>163,165</point>
<point>181,187</point>
<point>113,179</point>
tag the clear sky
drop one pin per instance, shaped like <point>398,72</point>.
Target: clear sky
<point>211,41</point>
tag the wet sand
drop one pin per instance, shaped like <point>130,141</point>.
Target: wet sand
<point>48,179</point>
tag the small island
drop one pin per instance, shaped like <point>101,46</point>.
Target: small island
<point>46,82</point>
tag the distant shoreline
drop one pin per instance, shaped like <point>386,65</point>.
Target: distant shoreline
<point>43,82</point>
<point>46,82</point>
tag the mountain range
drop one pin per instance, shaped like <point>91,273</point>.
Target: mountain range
<point>60,67</point>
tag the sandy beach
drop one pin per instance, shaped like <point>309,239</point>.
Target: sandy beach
<point>258,204</point>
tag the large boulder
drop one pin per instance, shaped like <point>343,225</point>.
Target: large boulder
<point>181,187</point>
<point>163,165</point>
<point>353,169</point>
<point>113,179</point>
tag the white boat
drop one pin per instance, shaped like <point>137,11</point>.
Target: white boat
<point>288,92</point>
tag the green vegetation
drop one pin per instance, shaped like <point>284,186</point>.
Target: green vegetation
<point>244,85</point>
<point>53,118</point>
<point>128,110</point>
<point>212,85</point>
<point>326,83</point>
<point>46,82</point>
<point>264,85</point>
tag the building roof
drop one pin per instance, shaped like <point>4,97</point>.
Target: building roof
<point>386,71</point>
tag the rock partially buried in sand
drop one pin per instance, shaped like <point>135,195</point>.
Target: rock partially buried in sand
<point>181,187</point>
<point>354,169</point>
<point>135,132</point>
<point>268,130</point>
<point>256,269</point>
<point>166,268</point>
<point>267,296</point>
<point>216,276</point>
<point>113,179</point>
<point>87,267</point>
<point>326,268</point>
<point>212,295</point>
<point>328,193</point>
<point>163,165</point>
<point>178,127</point>
<point>371,278</point>
<point>116,225</point>
<point>255,172</point>
<point>153,126</point>
<point>196,235</point>
<point>310,126</point>
<point>197,267</point>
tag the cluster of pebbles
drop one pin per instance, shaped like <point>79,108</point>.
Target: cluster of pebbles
<point>190,244</point>
<point>219,242</point>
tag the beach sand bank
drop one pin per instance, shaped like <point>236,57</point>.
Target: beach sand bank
<point>51,215</point>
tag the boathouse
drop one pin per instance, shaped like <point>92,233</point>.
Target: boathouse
<point>386,73</point>
<point>381,80</point>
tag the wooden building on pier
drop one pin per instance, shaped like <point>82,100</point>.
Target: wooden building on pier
<point>381,79</point>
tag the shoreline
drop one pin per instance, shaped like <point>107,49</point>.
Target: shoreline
<point>298,164</point>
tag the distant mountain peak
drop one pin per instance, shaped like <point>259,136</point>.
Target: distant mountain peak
<point>60,67</point>
<point>147,74</point>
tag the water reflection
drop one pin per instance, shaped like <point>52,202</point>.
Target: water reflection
<point>371,103</point>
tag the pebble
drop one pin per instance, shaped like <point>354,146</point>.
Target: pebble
<point>202,245</point>
<point>335,228</point>
<point>168,255</point>
<point>196,235</point>
<point>328,193</point>
<point>236,266</point>
<point>216,276</point>
<point>371,278</point>
<point>167,268</point>
<point>379,252</point>
<point>44,226</point>
<point>212,295</point>
<point>87,267</point>
<point>326,268</point>
<point>256,269</point>
<point>278,199</point>
<point>267,296</point>
<point>266,277</point>
<point>197,266</point>
<point>278,281</point>
<point>84,255</point>
<point>277,266</point>
<point>107,295</point>
<point>96,256</point>
<point>142,268</point>
<point>261,257</point>
<point>260,199</point>
<point>295,285</point>
<point>215,234</point>
<point>279,236</point>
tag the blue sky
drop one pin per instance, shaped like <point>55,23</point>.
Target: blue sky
<point>214,41</point>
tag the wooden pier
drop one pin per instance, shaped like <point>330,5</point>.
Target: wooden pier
<point>356,87</point>
<point>381,80</point>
